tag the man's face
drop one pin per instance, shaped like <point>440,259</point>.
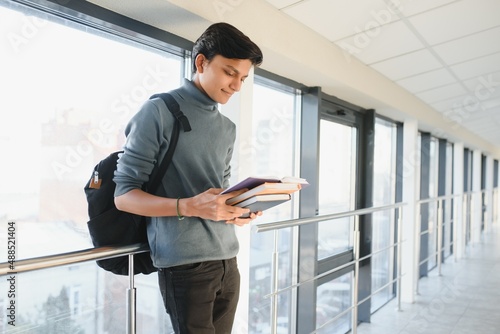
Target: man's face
<point>221,77</point>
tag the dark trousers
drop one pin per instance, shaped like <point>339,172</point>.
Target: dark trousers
<point>201,298</point>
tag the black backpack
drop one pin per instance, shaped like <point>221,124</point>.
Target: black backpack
<point>109,226</point>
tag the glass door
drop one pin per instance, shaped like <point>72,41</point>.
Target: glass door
<point>383,222</point>
<point>337,168</point>
<point>331,141</point>
<point>337,193</point>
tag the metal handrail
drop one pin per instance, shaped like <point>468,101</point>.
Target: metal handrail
<point>79,256</point>
<point>85,255</point>
<point>466,197</point>
<point>331,271</point>
<point>264,227</point>
<point>438,198</point>
<point>275,291</point>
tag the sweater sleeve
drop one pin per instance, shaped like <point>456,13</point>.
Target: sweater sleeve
<point>141,150</point>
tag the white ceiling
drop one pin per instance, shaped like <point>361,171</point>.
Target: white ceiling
<point>445,52</point>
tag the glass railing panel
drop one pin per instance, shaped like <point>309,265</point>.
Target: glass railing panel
<point>79,298</point>
<point>261,275</point>
<point>382,258</point>
<point>333,298</point>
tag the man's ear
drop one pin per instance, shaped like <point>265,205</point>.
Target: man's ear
<point>199,61</point>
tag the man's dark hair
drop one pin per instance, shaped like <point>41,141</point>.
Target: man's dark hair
<point>225,40</point>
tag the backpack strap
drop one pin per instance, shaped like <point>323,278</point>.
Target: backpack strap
<point>180,119</point>
<point>174,108</point>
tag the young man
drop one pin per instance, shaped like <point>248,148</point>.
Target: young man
<point>191,232</point>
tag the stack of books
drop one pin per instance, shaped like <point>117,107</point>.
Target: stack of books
<point>264,192</point>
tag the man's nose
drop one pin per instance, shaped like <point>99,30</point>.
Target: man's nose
<point>236,84</point>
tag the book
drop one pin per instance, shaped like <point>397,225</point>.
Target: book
<point>253,181</point>
<point>262,202</point>
<point>265,189</point>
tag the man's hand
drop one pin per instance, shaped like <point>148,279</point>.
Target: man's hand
<point>244,221</point>
<point>212,205</point>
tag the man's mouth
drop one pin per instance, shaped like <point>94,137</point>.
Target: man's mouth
<point>226,92</point>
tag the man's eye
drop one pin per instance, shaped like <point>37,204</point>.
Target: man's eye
<point>229,73</point>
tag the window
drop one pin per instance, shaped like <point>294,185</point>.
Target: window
<point>448,218</point>
<point>433,206</point>
<point>384,182</point>
<point>274,150</point>
<point>68,92</point>
<point>73,90</point>
<point>274,139</point>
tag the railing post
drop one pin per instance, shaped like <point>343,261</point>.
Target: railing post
<point>400,254</point>
<point>131,294</point>
<point>455,221</point>
<point>464,223</point>
<point>439,234</point>
<point>274,286</point>
<point>472,210</point>
<point>418,234</point>
<point>354,315</point>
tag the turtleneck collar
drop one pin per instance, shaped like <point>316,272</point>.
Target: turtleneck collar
<point>196,96</point>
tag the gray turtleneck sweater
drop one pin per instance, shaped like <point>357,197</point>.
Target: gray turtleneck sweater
<point>201,161</point>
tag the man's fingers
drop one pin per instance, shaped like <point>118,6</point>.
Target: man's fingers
<point>239,221</point>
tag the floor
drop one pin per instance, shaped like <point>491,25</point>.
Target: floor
<point>465,299</point>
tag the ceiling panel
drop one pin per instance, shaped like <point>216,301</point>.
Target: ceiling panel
<point>442,93</point>
<point>411,7</point>
<point>459,106</point>
<point>484,85</point>
<point>462,18</point>
<point>445,52</point>
<point>338,19</point>
<point>379,44</point>
<point>446,106</point>
<point>428,80</point>
<point>486,122</point>
<point>470,47</point>
<point>478,67</point>
<point>408,64</point>
<point>468,102</point>
<point>280,4</point>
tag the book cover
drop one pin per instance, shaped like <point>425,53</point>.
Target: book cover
<point>263,202</point>
<point>254,181</point>
<point>266,188</point>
